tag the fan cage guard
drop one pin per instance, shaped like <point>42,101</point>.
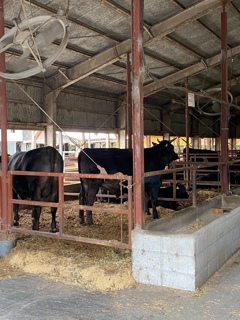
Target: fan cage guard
<point>212,91</point>
<point>26,24</point>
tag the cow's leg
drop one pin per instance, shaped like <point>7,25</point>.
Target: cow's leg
<point>81,198</point>
<point>147,203</point>
<point>89,190</point>
<point>90,198</point>
<point>53,223</point>
<point>36,212</point>
<point>16,215</point>
<point>154,196</point>
<point>154,209</point>
<point>54,198</point>
<point>15,211</point>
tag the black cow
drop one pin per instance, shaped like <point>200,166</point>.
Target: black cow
<point>167,192</point>
<point>36,188</point>
<point>1,160</point>
<point>118,194</point>
<point>121,160</point>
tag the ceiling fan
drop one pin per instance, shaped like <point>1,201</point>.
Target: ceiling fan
<point>210,104</point>
<point>37,42</point>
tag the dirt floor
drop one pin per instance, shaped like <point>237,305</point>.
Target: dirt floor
<point>89,266</point>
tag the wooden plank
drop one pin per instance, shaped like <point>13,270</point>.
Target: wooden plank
<point>217,210</point>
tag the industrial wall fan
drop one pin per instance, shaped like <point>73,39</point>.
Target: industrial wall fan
<point>210,104</point>
<point>32,42</point>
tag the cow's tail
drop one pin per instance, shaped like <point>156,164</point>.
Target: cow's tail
<point>52,158</point>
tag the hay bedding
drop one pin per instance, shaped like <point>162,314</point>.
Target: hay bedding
<point>90,266</point>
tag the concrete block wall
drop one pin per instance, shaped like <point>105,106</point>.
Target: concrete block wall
<point>184,261</point>
<point>163,260</point>
<point>215,244</point>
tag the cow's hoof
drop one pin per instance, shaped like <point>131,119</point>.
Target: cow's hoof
<point>15,223</point>
<point>54,230</point>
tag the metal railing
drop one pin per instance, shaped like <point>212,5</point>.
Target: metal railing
<point>194,170</point>
<point>61,206</point>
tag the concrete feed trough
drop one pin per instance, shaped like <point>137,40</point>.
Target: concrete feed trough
<point>185,252</point>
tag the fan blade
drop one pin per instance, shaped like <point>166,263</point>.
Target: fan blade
<point>42,39</point>
<point>22,63</point>
<point>5,42</point>
<point>49,34</point>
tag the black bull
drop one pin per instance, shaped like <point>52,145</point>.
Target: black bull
<point>115,160</point>
<point>36,188</point>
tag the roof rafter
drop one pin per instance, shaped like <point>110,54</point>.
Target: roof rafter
<point>115,53</point>
<point>187,72</point>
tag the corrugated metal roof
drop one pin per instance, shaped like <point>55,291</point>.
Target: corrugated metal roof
<point>99,35</point>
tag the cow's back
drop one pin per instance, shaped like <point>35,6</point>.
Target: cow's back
<point>113,160</point>
<point>46,159</point>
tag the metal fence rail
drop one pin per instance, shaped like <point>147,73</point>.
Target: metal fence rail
<point>61,206</point>
<point>192,169</point>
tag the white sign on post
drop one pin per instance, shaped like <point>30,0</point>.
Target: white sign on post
<point>191,99</point>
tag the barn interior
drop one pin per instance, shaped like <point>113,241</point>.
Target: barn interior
<point>182,53</point>
<point>79,79</point>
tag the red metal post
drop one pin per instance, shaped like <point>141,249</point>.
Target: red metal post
<point>137,109</point>
<point>4,221</point>
<point>187,124</point>
<point>224,105</point>
<point>129,104</point>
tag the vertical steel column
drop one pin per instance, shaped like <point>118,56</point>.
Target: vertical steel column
<point>129,105</point>
<point>137,109</point>
<point>224,105</point>
<point>187,122</point>
<point>4,219</point>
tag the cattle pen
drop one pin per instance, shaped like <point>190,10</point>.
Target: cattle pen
<point>124,211</point>
<point>189,170</point>
<point>129,236</point>
<point>66,178</point>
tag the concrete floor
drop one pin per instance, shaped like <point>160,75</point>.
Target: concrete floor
<point>32,298</point>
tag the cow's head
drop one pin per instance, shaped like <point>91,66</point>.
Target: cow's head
<point>181,191</point>
<point>166,151</point>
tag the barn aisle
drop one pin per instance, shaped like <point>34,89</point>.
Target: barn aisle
<point>32,298</point>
